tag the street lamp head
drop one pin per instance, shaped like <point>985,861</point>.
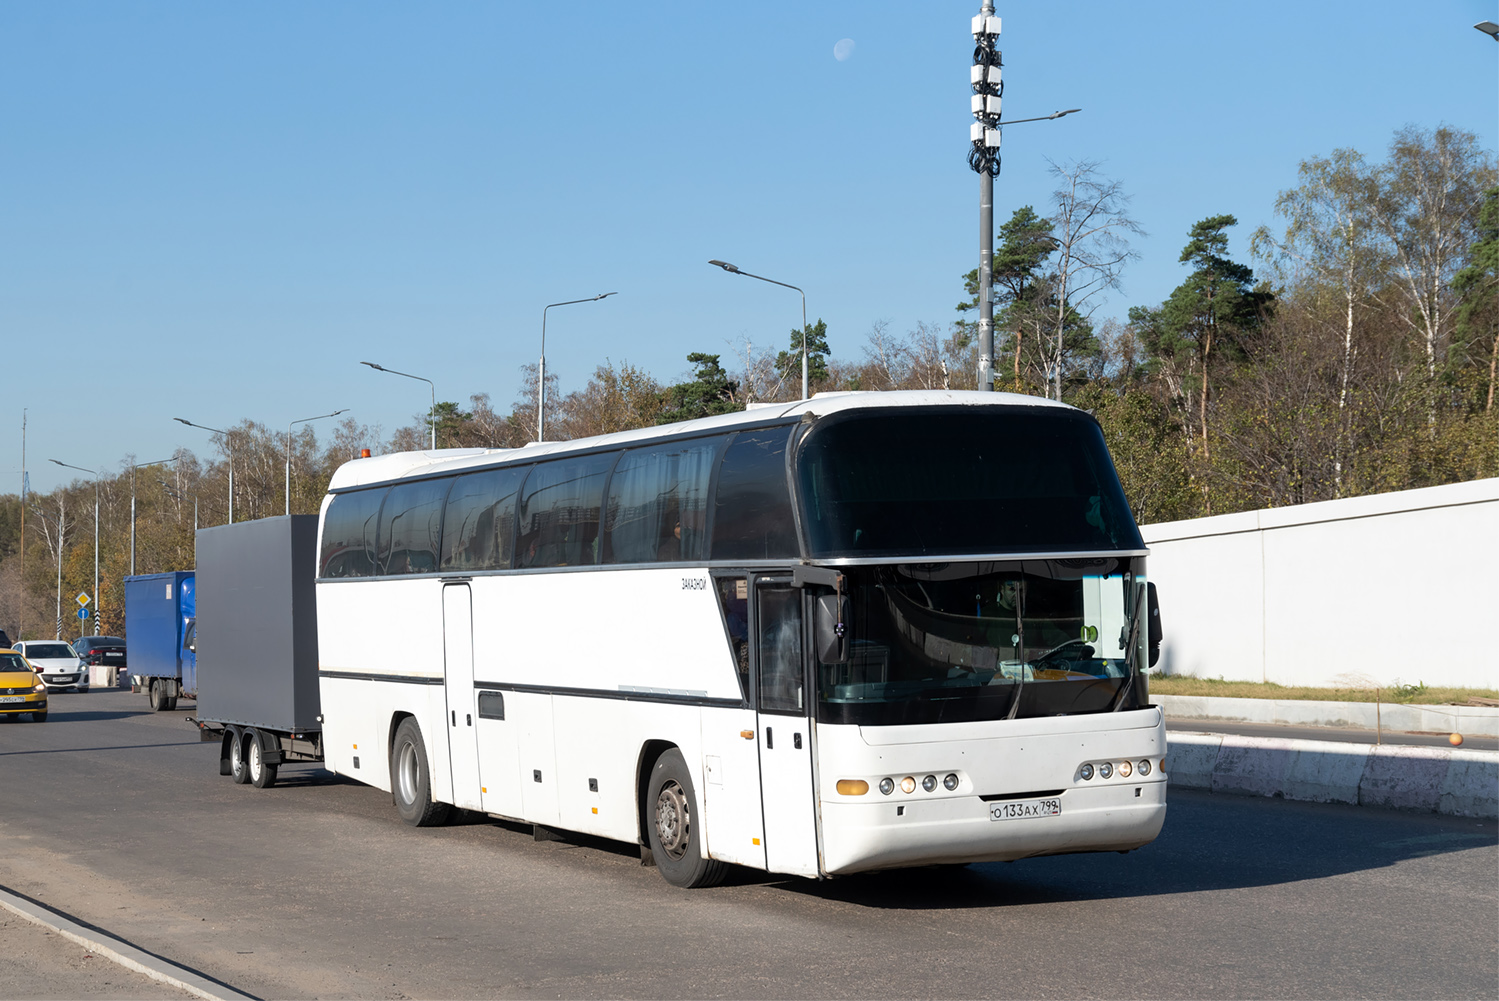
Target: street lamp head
<point>604,295</point>
<point>377,368</point>
<point>183,420</point>
<point>726,266</point>
<point>1069,111</point>
<point>1488,28</point>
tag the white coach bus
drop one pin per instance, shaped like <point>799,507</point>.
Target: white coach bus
<point>856,632</point>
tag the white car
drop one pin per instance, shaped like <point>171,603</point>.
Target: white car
<point>56,662</point>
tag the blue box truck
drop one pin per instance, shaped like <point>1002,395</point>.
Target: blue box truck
<point>160,626</point>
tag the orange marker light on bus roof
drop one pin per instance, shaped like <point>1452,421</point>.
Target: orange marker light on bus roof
<point>364,453</point>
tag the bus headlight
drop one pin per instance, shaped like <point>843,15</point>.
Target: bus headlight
<point>1085,772</point>
<point>1124,769</point>
<point>929,783</point>
<point>887,786</point>
<point>908,785</point>
<point>950,783</point>
<point>1144,767</point>
<point>1105,770</point>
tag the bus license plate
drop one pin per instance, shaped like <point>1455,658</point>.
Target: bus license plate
<point>1020,809</point>
<point>12,698</point>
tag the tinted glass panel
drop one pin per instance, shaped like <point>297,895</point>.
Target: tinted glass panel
<point>752,517</point>
<point>411,527</point>
<point>658,504</point>
<point>733,599</point>
<point>781,650</point>
<point>478,530</point>
<point>349,534</point>
<point>13,662</point>
<point>49,651</point>
<point>949,642</point>
<point>559,512</point>
<point>979,480</point>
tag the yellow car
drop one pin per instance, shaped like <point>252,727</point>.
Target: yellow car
<point>21,689</point>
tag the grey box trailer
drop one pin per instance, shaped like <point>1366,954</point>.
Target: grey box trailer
<point>257,645</point>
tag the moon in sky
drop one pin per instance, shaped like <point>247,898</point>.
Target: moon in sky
<point>843,49</point>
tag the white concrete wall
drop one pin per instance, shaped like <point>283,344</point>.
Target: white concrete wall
<point>1400,587</point>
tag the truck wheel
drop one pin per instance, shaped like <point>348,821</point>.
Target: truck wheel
<point>154,696</point>
<point>230,735</point>
<point>262,775</point>
<point>239,768</point>
<point>675,829</point>
<point>411,779</point>
<point>171,703</point>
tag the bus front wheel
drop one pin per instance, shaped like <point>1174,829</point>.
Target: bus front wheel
<point>411,780</point>
<point>675,829</point>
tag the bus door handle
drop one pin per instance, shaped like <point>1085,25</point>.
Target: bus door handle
<point>455,717</point>
<point>796,741</point>
<point>769,740</point>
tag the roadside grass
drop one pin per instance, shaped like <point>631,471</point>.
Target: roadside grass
<point>1417,694</point>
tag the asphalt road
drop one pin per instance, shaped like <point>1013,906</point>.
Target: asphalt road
<point>118,817</point>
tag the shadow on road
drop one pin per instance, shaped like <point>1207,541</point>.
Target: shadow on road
<point>1209,843</point>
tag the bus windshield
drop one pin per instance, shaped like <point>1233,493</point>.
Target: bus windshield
<point>973,481</point>
<point>952,642</point>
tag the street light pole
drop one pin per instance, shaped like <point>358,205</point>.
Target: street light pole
<point>432,415</point>
<point>133,467</point>
<point>228,449</point>
<point>293,424</point>
<point>983,156</point>
<point>541,370</point>
<point>735,271</point>
<point>97,602</point>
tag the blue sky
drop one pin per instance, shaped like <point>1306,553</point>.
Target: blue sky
<point>216,211</point>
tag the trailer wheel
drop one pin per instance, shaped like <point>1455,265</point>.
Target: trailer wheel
<point>411,779</point>
<point>675,829</point>
<point>171,701</point>
<point>239,768</point>
<point>262,775</point>
<point>155,697</point>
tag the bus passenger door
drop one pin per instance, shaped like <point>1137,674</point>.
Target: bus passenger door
<point>783,707</point>
<point>458,683</point>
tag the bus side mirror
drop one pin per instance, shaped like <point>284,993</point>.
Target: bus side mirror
<point>830,624</point>
<point>1153,626</point>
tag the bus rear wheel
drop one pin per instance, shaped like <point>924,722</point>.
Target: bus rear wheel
<point>674,827</point>
<point>411,779</point>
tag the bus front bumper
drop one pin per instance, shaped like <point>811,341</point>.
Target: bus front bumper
<point>860,836</point>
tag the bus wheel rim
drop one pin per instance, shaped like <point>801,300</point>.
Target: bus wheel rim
<point>672,820</point>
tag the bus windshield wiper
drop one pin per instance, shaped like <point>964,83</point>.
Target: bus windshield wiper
<point>1132,643</point>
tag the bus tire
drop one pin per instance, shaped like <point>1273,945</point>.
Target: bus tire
<point>262,775</point>
<point>674,827</point>
<point>411,779</point>
<point>239,768</point>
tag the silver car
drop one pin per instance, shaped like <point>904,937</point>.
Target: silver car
<point>56,662</point>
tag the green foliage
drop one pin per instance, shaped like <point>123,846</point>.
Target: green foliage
<point>1148,450</point>
<point>710,392</point>
<point>789,363</point>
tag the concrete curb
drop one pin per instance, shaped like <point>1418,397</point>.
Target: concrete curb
<point>1471,721</point>
<point>124,954</point>
<point>1452,781</point>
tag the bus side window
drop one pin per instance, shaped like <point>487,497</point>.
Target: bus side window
<point>559,512</point>
<point>411,527</point>
<point>349,534</point>
<point>478,528</point>
<point>733,600</point>
<point>752,517</point>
